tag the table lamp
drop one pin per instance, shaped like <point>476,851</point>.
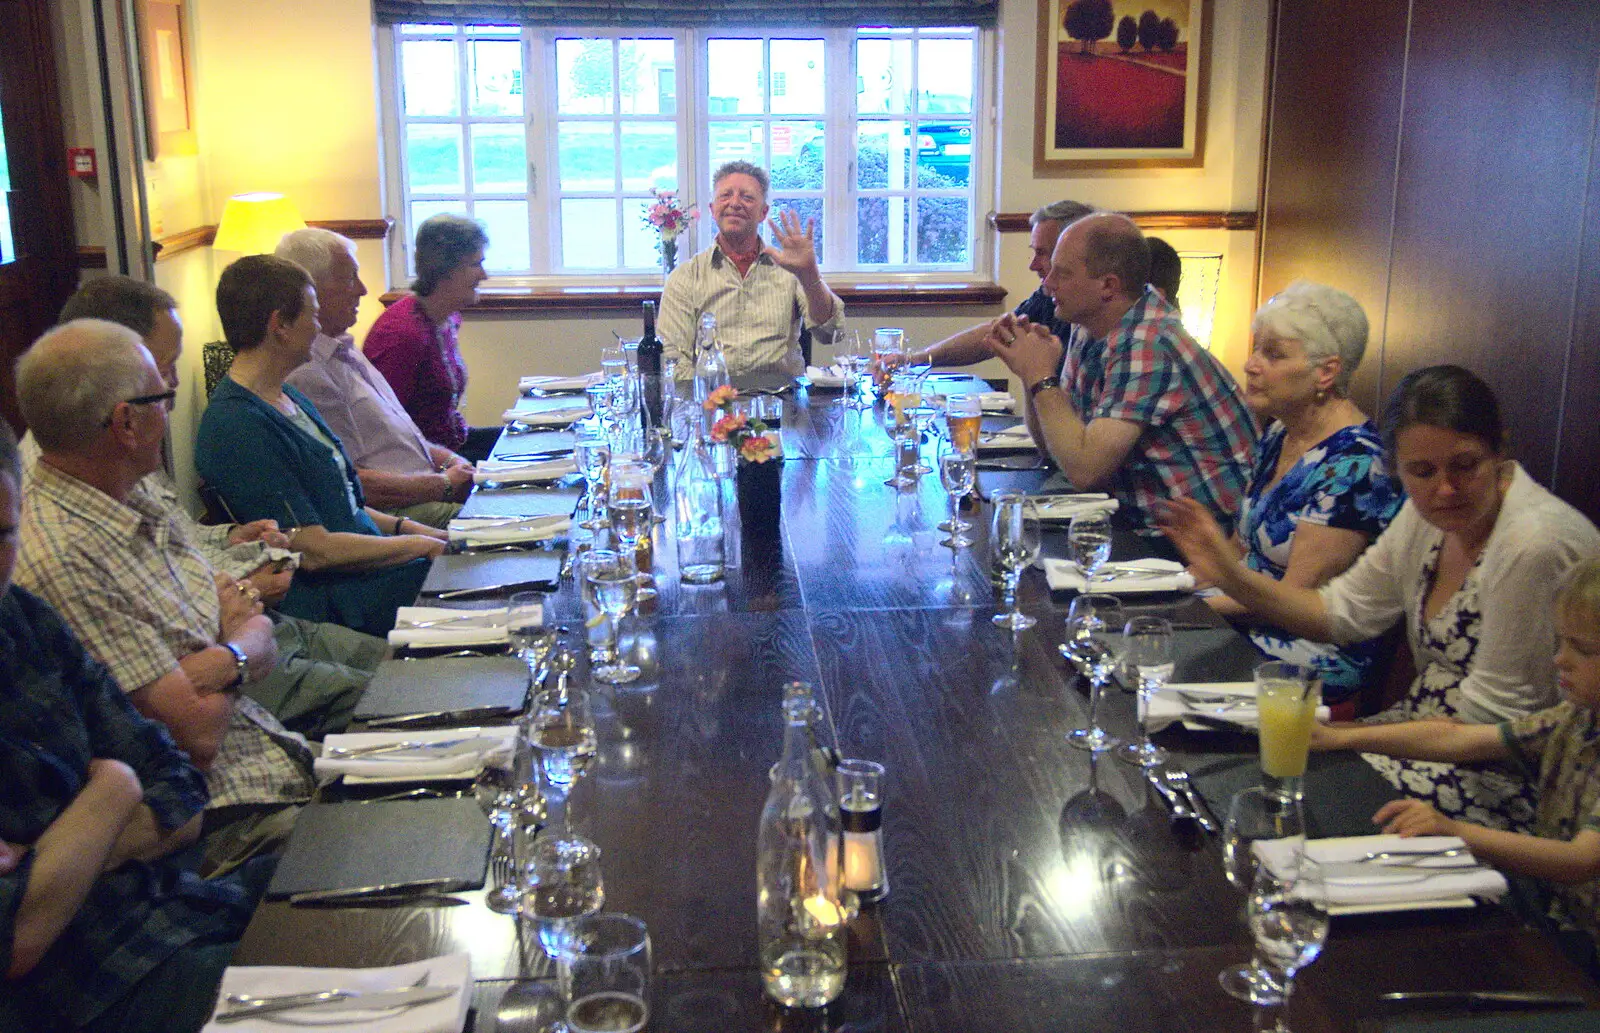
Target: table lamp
<point>252,224</point>
<point>1197,293</point>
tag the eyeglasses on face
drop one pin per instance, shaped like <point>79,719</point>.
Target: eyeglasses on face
<point>162,397</point>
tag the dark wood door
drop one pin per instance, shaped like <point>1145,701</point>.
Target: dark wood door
<point>38,256</point>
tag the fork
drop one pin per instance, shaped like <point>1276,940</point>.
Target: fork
<point>395,747</point>
<point>1379,855</point>
<point>1215,702</point>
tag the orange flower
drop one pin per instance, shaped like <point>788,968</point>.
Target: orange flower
<point>720,397</point>
<point>726,427</point>
<point>757,448</point>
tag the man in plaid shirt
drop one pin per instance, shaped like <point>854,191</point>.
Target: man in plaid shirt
<point>1137,409</point>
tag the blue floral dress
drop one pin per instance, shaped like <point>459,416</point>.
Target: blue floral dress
<point>1339,482</point>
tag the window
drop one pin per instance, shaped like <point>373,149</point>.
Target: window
<point>555,139</point>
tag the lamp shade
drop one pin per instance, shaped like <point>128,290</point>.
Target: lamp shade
<point>1197,293</point>
<point>252,224</point>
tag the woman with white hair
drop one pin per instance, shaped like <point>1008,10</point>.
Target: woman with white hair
<point>1320,492</point>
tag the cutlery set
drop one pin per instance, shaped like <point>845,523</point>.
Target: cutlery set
<point>1172,785</point>
<point>247,1006</point>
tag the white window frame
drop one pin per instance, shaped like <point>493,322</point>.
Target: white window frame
<point>692,116</point>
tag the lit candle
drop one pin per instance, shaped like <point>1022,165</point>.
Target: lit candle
<point>862,815</point>
<point>824,912</point>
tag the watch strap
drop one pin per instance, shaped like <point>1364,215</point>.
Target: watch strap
<point>241,665</point>
<point>1040,385</point>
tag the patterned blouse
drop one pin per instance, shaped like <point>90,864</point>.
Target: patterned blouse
<point>1340,482</point>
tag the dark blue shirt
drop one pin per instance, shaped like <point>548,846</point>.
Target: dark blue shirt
<point>59,708</point>
<point>1040,308</point>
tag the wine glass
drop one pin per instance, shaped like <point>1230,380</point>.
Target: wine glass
<point>613,362</point>
<point>957,472</point>
<point>561,728</point>
<point>560,883</point>
<point>1094,644</point>
<point>1255,814</point>
<point>531,638</point>
<point>657,450</point>
<point>1089,537</point>
<point>591,452</point>
<point>1288,915</point>
<point>848,356</point>
<point>611,577</point>
<point>1146,651</point>
<point>1015,541</point>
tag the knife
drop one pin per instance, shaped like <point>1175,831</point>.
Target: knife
<point>462,593</point>
<point>344,1000</point>
<point>412,889</point>
<point>1488,998</point>
<point>1175,803</point>
<point>466,716</point>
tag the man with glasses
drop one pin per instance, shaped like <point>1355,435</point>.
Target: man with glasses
<point>181,639</point>
<point>761,295</point>
<point>322,668</point>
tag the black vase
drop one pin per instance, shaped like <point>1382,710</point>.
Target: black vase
<point>760,490</point>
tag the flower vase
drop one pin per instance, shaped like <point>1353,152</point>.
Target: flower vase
<point>760,490</point>
<point>669,257</point>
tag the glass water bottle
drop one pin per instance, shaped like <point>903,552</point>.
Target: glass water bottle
<point>697,511</point>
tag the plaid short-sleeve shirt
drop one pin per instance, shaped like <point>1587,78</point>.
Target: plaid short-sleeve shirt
<point>140,595</point>
<point>1560,748</point>
<point>1198,438</point>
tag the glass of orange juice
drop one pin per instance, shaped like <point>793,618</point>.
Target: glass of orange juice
<point>1287,697</point>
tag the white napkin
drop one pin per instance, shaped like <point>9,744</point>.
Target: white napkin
<point>507,471</point>
<point>482,628</point>
<point>547,418</point>
<point>1347,892</point>
<point>495,750</point>
<point>1010,438</point>
<point>448,1015</point>
<point>832,376</point>
<point>1168,706</point>
<point>1065,507</point>
<point>577,383</point>
<point>997,401</point>
<point>1064,576</point>
<point>476,531</point>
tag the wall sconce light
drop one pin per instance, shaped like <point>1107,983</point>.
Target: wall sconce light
<point>252,224</point>
<point>1197,293</point>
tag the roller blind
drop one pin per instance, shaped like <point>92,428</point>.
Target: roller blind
<point>700,13</point>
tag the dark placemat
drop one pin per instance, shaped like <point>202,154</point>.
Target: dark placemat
<point>444,684</point>
<point>1342,791</point>
<point>486,570</point>
<point>521,502</point>
<point>1544,1021</point>
<point>342,846</point>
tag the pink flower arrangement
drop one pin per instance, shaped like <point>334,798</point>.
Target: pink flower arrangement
<point>748,437</point>
<point>669,216</point>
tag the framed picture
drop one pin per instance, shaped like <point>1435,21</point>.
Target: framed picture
<point>1120,83</point>
<point>166,76</point>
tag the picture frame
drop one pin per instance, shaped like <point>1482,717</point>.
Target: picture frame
<point>164,53</point>
<point>1121,84</point>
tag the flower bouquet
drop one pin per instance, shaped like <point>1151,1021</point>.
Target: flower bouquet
<point>670,217</point>
<point>748,437</point>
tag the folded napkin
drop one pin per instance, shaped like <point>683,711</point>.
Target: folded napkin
<point>474,628</point>
<point>1010,438</point>
<point>997,401</point>
<point>1387,885</point>
<point>1135,576</point>
<point>447,1015</point>
<point>546,418</point>
<point>490,748</point>
<point>577,383</point>
<point>1065,507</point>
<point>510,471</point>
<point>832,376</point>
<point>1168,705</point>
<point>478,531</point>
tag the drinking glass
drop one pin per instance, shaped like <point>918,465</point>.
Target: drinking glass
<point>591,452</point>
<point>600,400</point>
<point>904,393</point>
<point>561,728</point>
<point>614,583</point>
<point>1287,697</point>
<point>613,362</point>
<point>1255,814</point>
<point>850,359</point>
<point>604,967</point>
<point>1089,538</point>
<point>904,436</point>
<point>498,798</point>
<point>560,884</point>
<point>957,472</point>
<point>888,351</point>
<point>1147,652</point>
<point>530,636</point>
<point>1288,915</point>
<point>963,418</point>
<point>922,417</point>
<point>1015,541</point>
<point>1094,633</point>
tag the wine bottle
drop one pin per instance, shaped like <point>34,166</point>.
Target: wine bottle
<point>650,349</point>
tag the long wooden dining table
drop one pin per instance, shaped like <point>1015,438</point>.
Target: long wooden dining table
<point>1033,887</point>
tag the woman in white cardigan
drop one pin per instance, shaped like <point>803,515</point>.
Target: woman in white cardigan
<point>1472,564</point>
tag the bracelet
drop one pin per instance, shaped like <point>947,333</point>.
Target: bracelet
<point>241,665</point>
<point>449,490</point>
<point>397,522</point>
<point>1040,385</point>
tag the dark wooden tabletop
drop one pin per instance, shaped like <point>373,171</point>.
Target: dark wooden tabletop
<point>1032,888</point>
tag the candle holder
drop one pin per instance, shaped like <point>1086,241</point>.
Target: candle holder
<point>861,813</point>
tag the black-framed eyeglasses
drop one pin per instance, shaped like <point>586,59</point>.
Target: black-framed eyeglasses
<point>162,397</point>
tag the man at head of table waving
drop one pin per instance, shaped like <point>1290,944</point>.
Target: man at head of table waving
<point>1131,405</point>
<point>762,295</point>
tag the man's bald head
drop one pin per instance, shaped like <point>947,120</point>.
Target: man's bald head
<point>72,379</point>
<point>1113,246</point>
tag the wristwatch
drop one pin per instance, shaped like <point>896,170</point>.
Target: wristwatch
<point>241,665</point>
<point>1040,385</point>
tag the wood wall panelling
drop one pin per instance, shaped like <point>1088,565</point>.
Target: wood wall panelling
<point>94,256</point>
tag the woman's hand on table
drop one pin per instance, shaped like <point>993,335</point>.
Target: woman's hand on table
<point>1409,818</point>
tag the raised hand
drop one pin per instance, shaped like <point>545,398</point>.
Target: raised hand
<point>796,250</point>
<point>1030,350</point>
<point>1196,533</point>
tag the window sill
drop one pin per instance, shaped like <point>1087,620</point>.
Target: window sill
<point>615,298</point>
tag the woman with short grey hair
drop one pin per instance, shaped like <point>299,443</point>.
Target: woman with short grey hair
<point>414,344</point>
<point>1320,491</point>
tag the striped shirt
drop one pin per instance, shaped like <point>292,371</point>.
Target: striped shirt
<point>140,595</point>
<point>759,315</point>
<point>1198,439</point>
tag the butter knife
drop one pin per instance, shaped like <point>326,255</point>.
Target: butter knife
<point>413,887</point>
<point>1487,998</point>
<point>513,586</point>
<point>469,715</point>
